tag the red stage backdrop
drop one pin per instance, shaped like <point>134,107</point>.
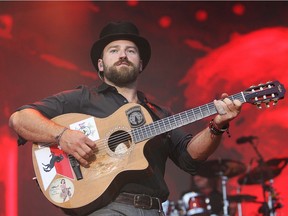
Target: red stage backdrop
<point>199,50</point>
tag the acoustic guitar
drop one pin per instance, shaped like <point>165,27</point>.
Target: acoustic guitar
<point>120,158</point>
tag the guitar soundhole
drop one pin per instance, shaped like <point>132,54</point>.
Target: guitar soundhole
<point>120,142</point>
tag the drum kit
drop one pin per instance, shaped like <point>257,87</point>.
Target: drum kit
<point>198,204</point>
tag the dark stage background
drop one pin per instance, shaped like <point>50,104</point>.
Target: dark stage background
<point>199,50</point>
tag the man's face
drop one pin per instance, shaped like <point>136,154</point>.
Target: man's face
<point>121,62</point>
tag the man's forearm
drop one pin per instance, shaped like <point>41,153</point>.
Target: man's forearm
<point>203,144</point>
<point>33,126</point>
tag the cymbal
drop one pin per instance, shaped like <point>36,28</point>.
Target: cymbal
<point>279,162</point>
<point>242,198</point>
<point>268,170</point>
<point>222,167</point>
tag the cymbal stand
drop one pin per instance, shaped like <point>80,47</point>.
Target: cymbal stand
<point>239,205</point>
<point>270,201</point>
<point>224,194</point>
<point>269,211</point>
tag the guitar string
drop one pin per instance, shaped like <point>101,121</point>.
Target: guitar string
<point>148,129</point>
<point>142,133</point>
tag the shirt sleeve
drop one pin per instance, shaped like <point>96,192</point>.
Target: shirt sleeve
<point>178,140</point>
<point>61,103</point>
<point>64,102</point>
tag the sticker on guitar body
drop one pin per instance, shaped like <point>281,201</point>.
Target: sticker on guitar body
<point>88,127</point>
<point>61,190</point>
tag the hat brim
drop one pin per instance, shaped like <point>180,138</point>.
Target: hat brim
<point>142,44</point>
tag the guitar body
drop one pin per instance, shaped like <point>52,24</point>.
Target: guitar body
<point>107,171</point>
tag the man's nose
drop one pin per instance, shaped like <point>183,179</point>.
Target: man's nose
<point>123,54</point>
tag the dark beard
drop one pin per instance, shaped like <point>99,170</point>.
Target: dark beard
<point>122,76</point>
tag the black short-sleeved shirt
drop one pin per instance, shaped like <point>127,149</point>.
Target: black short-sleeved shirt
<point>105,100</point>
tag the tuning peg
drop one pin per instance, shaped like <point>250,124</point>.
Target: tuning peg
<point>259,105</point>
<point>275,102</point>
<point>267,105</point>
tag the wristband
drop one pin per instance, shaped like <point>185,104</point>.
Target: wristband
<point>218,131</point>
<point>58,137</point>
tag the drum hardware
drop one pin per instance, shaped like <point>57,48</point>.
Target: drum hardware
<point>270,206</point>
<point>223,168</point>
<point>239,205</point>
<point>242,198</point>
<point>196,204</point>
<point>265,171</point>
<point>169,208</point>
<point>182,211</point>
<point>224,180</point>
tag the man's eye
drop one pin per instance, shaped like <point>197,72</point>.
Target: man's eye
<point>113,51</point>
<point>131,51</point>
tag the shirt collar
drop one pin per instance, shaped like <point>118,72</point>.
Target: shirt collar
<point>106,87</point>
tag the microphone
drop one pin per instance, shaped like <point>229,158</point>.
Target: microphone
<point>242,140</point>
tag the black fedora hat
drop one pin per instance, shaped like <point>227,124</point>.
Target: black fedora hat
<point>121,30</point>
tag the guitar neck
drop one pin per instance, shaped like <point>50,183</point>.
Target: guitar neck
<point>178,120</point>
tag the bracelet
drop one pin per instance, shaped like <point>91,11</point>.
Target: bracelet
<point>58,137</point>
<point>218,131</point>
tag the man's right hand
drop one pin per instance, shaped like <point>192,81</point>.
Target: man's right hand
<point>75,143</point>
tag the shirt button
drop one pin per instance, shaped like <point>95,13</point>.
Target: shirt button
<point>125,101</point>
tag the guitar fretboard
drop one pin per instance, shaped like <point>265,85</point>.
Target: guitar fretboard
<point>178,120</point>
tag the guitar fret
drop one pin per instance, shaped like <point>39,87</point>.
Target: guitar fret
<point>198,114</point>
<point>150,132</point>
<point>155,131</point>
<point>194,114</point>
<point>205,111</point>
<point>141,133</point>
<point>208,108</point>
<point>163,126</point>
<point>185,117</point>
<point>201,112</point>
<point>145,133</point>
<point>174,122</point>
<point>191,113</point>
<point>170,125</point>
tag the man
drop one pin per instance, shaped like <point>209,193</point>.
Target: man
<point>119,56</point>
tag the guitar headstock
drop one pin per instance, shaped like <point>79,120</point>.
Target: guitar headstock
<point>272,91</point>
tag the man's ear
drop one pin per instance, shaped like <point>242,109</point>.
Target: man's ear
<point>100,64</point>
<point>141,67</point>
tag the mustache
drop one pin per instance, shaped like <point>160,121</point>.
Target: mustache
<point>123,61</point>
